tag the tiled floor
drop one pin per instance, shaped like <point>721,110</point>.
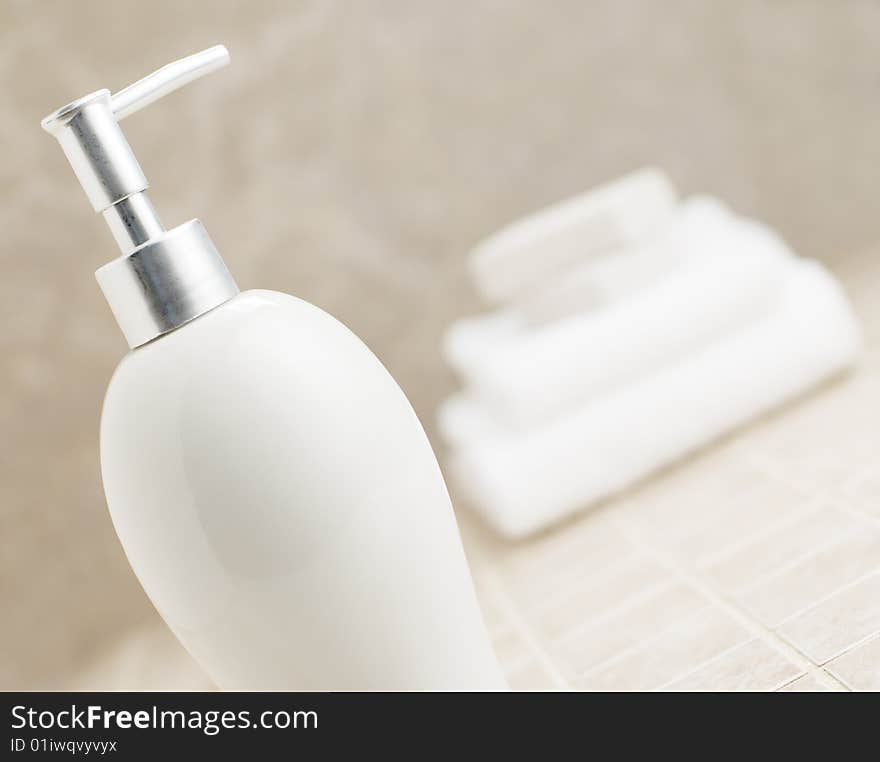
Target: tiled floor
<point>754,565</point>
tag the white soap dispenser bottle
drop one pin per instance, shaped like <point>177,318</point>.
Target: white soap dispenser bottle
<point>270,483</point>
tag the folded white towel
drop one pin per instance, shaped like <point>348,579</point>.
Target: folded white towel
<point>697,230</point>
<point>542,373</point>
<point>521,484</point>
<point>701,229</point>
<point>539,247</point>
<point>467,340</point>
<point>463,422</point>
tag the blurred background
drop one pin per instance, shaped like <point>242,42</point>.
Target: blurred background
<point>352,155</point>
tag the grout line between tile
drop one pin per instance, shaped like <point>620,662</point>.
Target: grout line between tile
<point>780,475</point>
<point>523,629</point>
<point>770,470</point>
<point>718,657</point>
<point>747,539</point>
<point>786,520</point>
<point>626,604</point>
<point>796,561</point>
<point>786,683</point>
<point>734,611</point>
<point>842,681</point>
<point>850,647</point>
<point>837,686</point>
<point>819,601</point>
<point>565,593</point>
<point>635,647</point>
<point>864,641</point>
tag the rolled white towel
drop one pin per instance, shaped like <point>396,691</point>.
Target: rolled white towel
<point>524,483</point>
<point>699,229</point>
<point>544,372</point>
<point>540,246</point>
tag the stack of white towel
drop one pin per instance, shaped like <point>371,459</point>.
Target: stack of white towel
<point>629,328</point>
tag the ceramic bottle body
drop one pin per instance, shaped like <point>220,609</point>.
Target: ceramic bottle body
<point>278,500</point>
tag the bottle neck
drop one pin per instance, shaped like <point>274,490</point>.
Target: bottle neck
<point>133,221</point>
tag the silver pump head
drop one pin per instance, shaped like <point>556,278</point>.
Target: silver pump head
<point>163,278</point>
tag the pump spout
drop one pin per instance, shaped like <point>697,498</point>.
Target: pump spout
<point>91,138</point>
<point>167,79</point>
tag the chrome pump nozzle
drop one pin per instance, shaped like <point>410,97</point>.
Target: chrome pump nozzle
<point>164,278</point>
